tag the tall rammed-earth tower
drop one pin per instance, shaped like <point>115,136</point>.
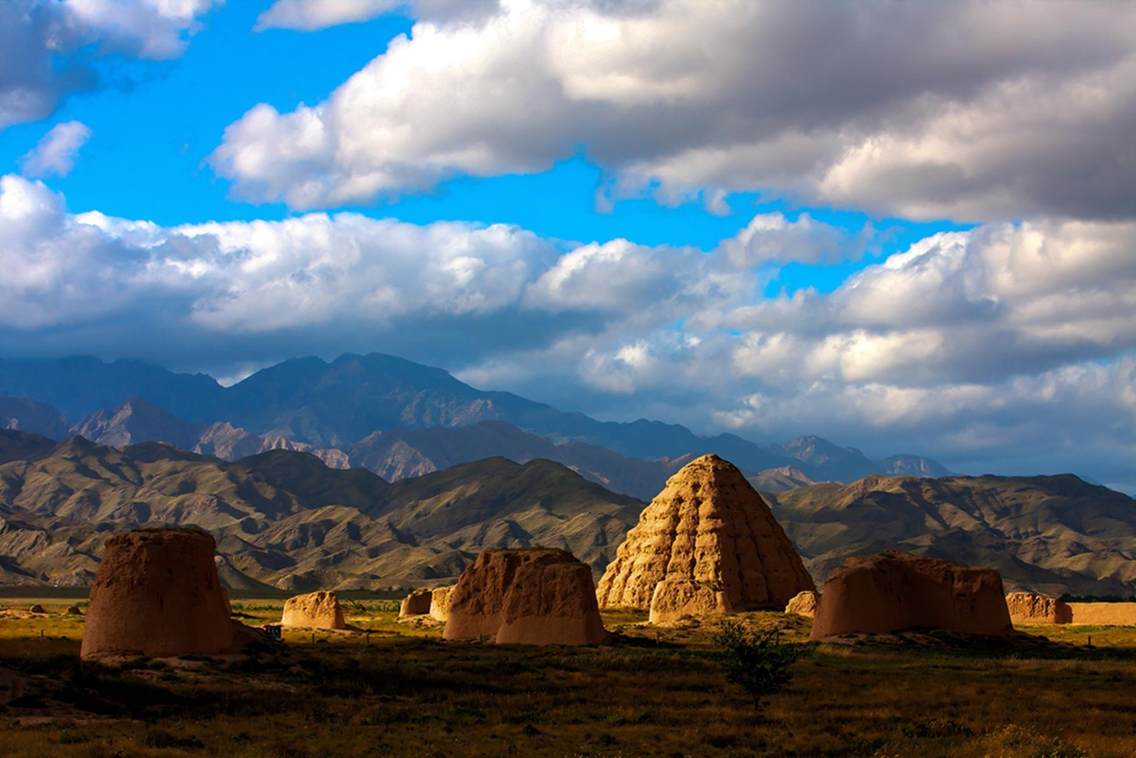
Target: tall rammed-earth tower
<point>707,544</point>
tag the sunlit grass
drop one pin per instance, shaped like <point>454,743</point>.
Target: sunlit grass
<point>398,689</point>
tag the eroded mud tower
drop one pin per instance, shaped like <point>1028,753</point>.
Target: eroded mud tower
<point>1035,608</point>
<point>417,603</point>
<point>707,544</point>
<point>157,594</point>
<point>535,596</point>
<point>440,603</point>
<point>315,610</point>
<point>896,591</point>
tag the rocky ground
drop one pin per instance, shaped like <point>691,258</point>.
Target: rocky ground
<point>397,689</point>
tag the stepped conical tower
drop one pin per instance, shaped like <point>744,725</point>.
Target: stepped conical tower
<point>706,544</point>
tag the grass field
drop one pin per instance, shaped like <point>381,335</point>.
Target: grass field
<point>400,690</point>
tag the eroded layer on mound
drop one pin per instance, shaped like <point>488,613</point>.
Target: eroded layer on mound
<point>417,603</point>
<point>675,598</point>
<point>1035,608</point>
<point>896,591</point>
<point>315,610</point>
<point>440,603</point>
<point>537,596</point>
<point>157,594</point>
<point>714,542</point>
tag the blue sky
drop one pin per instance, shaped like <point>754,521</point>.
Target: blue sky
<point>904,231</point>
<point>155,124</point>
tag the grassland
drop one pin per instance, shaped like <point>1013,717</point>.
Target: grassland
<point>399,690</point>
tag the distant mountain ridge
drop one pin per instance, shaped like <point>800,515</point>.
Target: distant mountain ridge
<point>332,409</point>
<point>27,415</point>
<point>136,420</point>
<point>1051,534</point>
<point>286,520</point>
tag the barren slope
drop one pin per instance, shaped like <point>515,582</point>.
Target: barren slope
<point>1052,534</point>
<point>285,519</point>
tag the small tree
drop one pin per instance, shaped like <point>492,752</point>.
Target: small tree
<point>758,662</point>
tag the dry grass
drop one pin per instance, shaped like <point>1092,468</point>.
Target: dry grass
<point>399,690</point>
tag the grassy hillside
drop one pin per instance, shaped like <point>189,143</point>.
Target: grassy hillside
<point>396,689</point>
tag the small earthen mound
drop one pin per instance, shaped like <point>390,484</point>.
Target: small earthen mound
<point>157,594</point>
<point>534,596</point>
<point>37,608</point>
<point>440,603</point>
<point>896,591</point>
<point>1034,608</point>
<point>315,610</point>
<point>417,603</point>
<point>803,604</point>
<point>707,544</point>
<point>74,610</point>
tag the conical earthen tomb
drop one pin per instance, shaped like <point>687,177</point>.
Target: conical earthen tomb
<point>707,544</point>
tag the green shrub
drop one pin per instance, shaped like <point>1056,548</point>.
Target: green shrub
<point>758,662</point>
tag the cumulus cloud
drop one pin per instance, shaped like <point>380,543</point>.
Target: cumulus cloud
<point>89,278</point>
<point>970,110</point>
<point>957,307</point>
<point>973,345</point>
<point>614,276</point>
<point>56,152</point>
<point>313,15</point>
<point>310,15</point>
<point>45,46</point>
<point>772,237</point>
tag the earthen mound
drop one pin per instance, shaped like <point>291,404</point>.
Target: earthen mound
<point>440,603</point>
<point>535,596</point>
<point>157,594</point>
<point>37,608</point>
<point>417,603</point>
<point>315,610</point>
<point>74,610</point>
<point>803,604</point>
<point>1104,614</point>
<point>707,544</point>
<point>1034,608</point>
<point>896,591</point>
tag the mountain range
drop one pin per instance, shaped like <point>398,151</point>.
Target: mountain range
<point>392,416</point>
<point>285,520</point>
<point>1051,534</point>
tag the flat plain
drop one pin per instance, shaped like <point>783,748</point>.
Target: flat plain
<point>395,688</point>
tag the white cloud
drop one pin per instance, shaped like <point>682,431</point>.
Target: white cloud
<point>154,29</point>
<point>58,271</point>
<point>310,15</point>
<point>968,344</point>
<point>772,237</point>
<point>318,269</point>
<point>313,15</point>
<point>972,110</point>
<point>958,306</point>
<point>44,46</point>
<point>615,276</point>
<point>56,152</point>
